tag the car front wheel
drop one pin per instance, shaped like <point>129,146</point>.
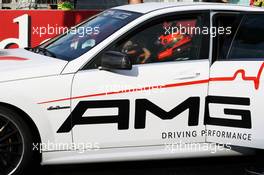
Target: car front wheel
<point>16,141</point>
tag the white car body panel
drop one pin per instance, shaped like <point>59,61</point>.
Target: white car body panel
<point>136,153</point>
<point>247,82</point>
<point>141,76</point>
<point>41,82</point>
<point>26,95</point>
<point>31,65</point>
<point>27,79</point>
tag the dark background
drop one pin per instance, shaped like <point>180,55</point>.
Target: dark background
<point>202,166</point>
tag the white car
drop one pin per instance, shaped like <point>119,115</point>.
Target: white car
<point>137,82</point>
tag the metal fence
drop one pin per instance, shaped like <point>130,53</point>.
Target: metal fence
<point>27,4</point>
<point>42,4</point>
<point>79,4</point>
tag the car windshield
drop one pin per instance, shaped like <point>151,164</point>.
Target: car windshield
<point>84,37</point>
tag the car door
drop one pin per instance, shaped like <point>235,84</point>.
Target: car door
<point>234,113</point>
<point>161,100</point>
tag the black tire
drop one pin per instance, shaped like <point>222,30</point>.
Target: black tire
<point>16,143</point>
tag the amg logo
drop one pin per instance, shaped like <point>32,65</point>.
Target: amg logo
<point>144,105</point>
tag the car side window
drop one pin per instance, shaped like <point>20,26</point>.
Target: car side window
<point>222,41</point>
<point>162,40</point>
<point>249,41</point>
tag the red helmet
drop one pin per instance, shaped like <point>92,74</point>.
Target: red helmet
<point>171,42</point>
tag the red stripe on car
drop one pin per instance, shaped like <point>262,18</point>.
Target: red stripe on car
<point>255,80</point>
<point>12,58</point>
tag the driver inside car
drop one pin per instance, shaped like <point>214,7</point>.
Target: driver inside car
<point>137,53</point>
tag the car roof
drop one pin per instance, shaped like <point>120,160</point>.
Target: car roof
<point>154,6</point>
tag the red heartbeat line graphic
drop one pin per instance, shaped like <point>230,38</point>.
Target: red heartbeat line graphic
<point>12,58</point>
<point>256,81</point>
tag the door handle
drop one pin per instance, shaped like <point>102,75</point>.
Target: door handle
<point>191,76</point>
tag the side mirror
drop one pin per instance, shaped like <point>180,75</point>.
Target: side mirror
<point>115,60</point>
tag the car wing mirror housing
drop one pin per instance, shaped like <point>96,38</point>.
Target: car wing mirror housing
<point>115,60</point>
